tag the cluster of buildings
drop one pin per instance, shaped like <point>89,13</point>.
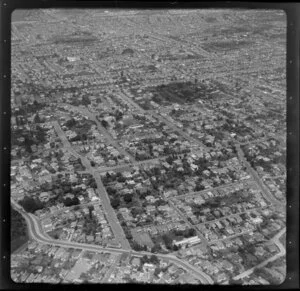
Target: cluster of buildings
<point>200,208</point>
<point>95,146</point>
<point>277,187</point>
<point>28,176</point>
<point>232,226</point>
<point>143,195</point>
<point>51,264</point>
<point>53,193</point>
<point>136,269</point>
<point>40,263</point>
<point>144,89</point>
<point>228,258</point>
<point>271,274</point>
<point>268,157</point>
<point>88,224</point>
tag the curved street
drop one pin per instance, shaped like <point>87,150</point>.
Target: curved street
<point>36,233</point>
<point>282,252</point>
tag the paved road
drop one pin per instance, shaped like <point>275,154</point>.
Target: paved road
<point>137,163</point>
<point>67,145</point>
<point>262,139</point>
<point>227,216</point>
<point>36,233</point>
<point>200,235</point>
<point>276,177</point>
<point>229,237</point>
<point>282,252</point>
<point>109,211</point>
<point>117,167</point>
<point>179,130</point>
<point>190,194</point>
<point>101,129</point>
<point>265,191</point>
<point>254,141</point>
<point>58,211</point>
<point>124,166</point>
<point>162,119</point>
<point>111,215</point>
<point>189,45</point>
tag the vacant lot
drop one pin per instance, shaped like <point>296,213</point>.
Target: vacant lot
<point>142,238</point>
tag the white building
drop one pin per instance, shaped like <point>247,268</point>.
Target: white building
<point>188,241</point>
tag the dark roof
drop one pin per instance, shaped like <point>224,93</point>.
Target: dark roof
<point>127,51</point>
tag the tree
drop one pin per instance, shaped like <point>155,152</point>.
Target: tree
<point>119,115</point>
<point>128,234</point>
<point>154,259</point>
<point>156,248</point>
<point>91,208</point>
<point>169,160</point>
<point>108,176</point>
<point>144,259</point>
<point>70,123</point>
<point>155,186</point>
<point>67,188</point>
<point>93,184</point>
<point>77,207</point>
<point>175,248</point>
<point>118,174</point>
<point>157,172</point>
<point>83,137</point>
<point>40,134</point>
<point>104,123</point>
<point>189,232</point>
<point>30,204</point>
<point>136,246</point>
<point>86,100</point>
<point>121,179</point>
<point>17,230</point>
<point>128,198</point>
<point>167,240</point>
<point>37,119</point>
<point>36,104</point>
<point>136,211</point>
<point>115,202</point>
<point>28,142</point>
<point>70,202</point>
<point>111,191</point>
<point>199,187</point>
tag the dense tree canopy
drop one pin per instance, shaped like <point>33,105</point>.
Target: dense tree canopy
<point>30,204</point>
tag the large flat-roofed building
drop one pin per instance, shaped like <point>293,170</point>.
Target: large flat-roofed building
<point>188,241</point>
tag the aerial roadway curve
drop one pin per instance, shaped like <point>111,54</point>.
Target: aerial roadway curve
<point>282,252</point>
<point>35,232</point>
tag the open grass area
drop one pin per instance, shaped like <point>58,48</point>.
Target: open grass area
<point>19,234</point>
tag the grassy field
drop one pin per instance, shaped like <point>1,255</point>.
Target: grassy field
<point>17,243</point>
<point>19,235</point>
